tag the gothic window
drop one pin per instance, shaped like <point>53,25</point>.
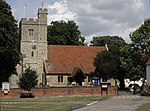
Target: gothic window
<point>60,78</point>
<point>30,32</point>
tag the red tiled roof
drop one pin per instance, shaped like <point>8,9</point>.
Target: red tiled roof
<point>63,59</point>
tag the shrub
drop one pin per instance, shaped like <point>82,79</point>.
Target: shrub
<point>145,91</point>
<point>28,79</point>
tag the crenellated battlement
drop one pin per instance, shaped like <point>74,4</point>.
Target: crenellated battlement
<point>41,10</point>
<point>42,18</point>
<point>29,21</point>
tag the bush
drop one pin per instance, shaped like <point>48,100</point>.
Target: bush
<point>146,91</point>
<point>28,79</point>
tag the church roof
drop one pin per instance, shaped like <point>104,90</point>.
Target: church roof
<point>63,59</point>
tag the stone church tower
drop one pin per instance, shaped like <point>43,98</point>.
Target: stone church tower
<point>34,43</point>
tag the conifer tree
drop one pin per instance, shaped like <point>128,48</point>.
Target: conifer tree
<point>28,79</point>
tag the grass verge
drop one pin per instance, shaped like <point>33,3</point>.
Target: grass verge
<point>145,107</point>
<point>47,104</point>
<point>37,107</point>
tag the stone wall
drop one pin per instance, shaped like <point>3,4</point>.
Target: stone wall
<point>63,91</point>
<point>52,80</point>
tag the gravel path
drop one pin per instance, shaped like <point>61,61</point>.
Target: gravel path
<point>117,103</point>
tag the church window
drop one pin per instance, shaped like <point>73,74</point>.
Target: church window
<point>32,54</point>
<point>30,32</point>
<point>60,78</point>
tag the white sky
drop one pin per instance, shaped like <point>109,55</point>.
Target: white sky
<point>94,17</point>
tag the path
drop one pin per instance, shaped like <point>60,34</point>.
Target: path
<point>117,103</point>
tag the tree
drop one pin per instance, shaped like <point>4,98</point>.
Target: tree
<point>141,45</point>
<point>9,42</point>
<point>141,38</point>
<point>106,64</point>
<point>111,58</point>
<point>133,64</point>
<point>64,33</point>
<point>110,40</point>
<point>28,79</point>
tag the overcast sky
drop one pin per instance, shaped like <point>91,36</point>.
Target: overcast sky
<point>94,17</point>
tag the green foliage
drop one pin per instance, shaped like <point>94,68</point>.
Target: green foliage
<point>110,40</point>
<point>28,79</point>
<point>146,91</point>
<point>141,38</point>
<point>133,63</point>
<point>106,64</point>
<point>9,42</point>
<point>144,107</point>
<point>136,54</point>
<point>64,33</point>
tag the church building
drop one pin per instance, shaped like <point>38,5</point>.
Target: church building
<point>56,65</point>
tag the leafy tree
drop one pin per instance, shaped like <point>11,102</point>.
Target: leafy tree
<point>9,41</point>
<point>110,40</point>
<point>64,33</point>
<point>106,64</point>
<point>133,64</point>
<point>28,79</point>
<point>141,45</point>
<point>141,38</point>
<point>111,58</point>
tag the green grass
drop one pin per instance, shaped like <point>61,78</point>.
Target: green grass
<point>71,98</point>
<point>145,107</point>
<point>125,92</point>
<point>37,107</point>
<point>48,104</point>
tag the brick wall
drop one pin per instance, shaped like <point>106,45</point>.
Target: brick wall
<point>63,91</point>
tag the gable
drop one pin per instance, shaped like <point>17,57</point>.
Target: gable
<point>62,59</point>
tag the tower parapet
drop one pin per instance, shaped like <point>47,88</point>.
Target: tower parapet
<point>42,15</point>
<point>41,10</point>
<point>42,18</point>
<point>29,21</point>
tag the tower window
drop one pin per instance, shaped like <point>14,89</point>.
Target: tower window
<point>30,32</point>
<point>32,54</point>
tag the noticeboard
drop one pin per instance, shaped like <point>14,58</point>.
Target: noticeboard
<point>5,87</point>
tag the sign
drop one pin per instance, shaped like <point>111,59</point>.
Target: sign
<point>5,87</point>
<point>104,85</point>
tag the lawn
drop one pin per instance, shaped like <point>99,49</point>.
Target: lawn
<point>38,107</point>
<point>145,107</point>
<point>48,104</point>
